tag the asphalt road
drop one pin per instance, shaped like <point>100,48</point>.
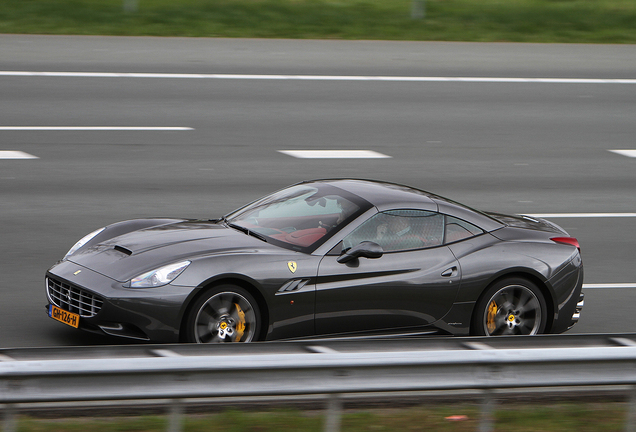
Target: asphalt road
<point>518,147</point>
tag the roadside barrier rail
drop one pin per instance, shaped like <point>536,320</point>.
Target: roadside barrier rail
<point>315,368</point>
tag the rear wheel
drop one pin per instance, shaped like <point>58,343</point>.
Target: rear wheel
<point>228,313</point>
<point>513,306</point>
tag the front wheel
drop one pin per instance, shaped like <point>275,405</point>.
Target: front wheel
<point>225,314</point>
<point>512,306</point>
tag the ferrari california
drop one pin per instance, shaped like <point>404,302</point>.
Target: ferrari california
<point>326,258</point>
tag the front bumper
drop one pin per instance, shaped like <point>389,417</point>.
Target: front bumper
<point>106,307</point>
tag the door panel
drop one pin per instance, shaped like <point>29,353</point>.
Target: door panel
<point>400,289</point>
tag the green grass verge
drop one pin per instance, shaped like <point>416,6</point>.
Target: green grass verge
<point>572,21</point>
<point>584,417</point>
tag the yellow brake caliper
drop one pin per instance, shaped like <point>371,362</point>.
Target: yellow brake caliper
<point>490,320</point>
<point>240,328</point>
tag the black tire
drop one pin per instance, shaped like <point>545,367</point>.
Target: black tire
<point>512,306</point>
<point>227,313</point>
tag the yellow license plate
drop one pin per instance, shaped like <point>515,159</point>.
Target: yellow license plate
<point>68,318</point>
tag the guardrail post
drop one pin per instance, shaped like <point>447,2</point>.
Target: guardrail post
<point>418,9</point>
<point>486,423</point>
<point>334,411</point>
<point>9,422</point>
<point>131,6</point>
<point>175,421</point>
<point>630,421</point>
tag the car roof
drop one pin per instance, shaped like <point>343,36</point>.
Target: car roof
<point>379,193</point>
<point>387,196</point>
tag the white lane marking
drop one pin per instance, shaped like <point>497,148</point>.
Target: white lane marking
<point>319,77</point>
<point>608,285</point>
<point>477,346</point>
<point>623,341</point>
<point>12,154</point>
<point>321,349</point>
<point>334,154</point>
<point>581,215</point>
<point>628,153</point>
<point>165,353</point>
<point>94,128</point>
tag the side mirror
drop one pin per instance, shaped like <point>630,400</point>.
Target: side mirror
<point>366,249</point>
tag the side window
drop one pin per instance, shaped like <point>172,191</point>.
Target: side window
<point>457,229</point>
<point>400,230</point>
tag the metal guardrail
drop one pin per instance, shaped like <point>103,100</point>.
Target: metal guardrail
<point>179,372</point>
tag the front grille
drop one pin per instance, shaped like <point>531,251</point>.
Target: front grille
<point>73,299</point>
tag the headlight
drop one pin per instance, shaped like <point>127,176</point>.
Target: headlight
<point>82,242</point>
<point>158,277</point>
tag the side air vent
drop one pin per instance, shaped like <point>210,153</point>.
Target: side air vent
<point>123,250</point>
<point>293,285</point>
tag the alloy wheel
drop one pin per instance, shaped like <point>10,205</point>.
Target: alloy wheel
<point>513,310</point>
<point>225,317</point>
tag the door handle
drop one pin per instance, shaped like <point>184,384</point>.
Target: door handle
<point>450,272</point>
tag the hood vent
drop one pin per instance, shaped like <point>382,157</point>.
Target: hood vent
<point>123,250</point>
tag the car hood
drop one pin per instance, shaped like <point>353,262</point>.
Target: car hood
<point>129,255</point>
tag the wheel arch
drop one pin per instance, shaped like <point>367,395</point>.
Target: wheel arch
<point>229,279</point>
<point>540,283</point>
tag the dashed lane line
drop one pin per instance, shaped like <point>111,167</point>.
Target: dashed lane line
<point>335,154</point>
<point>628,153</point>
<point>13,154</point>
<point>95,128</point>
<point>581,215</point>
<point>609,285</point>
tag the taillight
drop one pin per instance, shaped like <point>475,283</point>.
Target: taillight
<point>567,240</point>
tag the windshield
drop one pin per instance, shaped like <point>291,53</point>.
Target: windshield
<point>300,217</point>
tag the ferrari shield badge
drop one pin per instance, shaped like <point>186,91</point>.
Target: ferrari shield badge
<point>292,266</point>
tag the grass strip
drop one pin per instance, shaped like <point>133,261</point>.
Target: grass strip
<point>569,21</point>
<point>563,417</point>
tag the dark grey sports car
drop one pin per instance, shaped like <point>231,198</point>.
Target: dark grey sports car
<point>326,258</point>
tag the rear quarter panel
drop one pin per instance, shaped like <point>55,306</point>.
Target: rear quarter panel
<point>486,258</point>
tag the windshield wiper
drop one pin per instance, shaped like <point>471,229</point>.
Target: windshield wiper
<point>245,230</point>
